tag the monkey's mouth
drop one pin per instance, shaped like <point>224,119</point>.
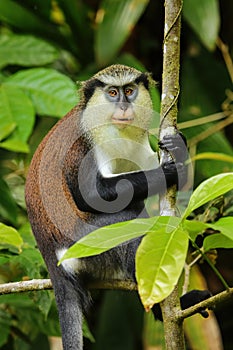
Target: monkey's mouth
<point>126,121</point>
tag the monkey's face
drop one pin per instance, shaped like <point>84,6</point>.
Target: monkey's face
<point>117,114</point>
<point>118,111</point>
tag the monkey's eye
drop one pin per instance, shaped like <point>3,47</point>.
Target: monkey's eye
<point>113,92</point>
<point>128,91</point>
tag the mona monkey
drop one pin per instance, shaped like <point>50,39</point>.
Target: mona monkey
<point>95,168</point>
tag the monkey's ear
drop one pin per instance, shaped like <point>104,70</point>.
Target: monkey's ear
<point>79,83</point>
<point>152,84</point>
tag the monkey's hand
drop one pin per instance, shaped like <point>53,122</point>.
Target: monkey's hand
<point>175,174</point>
<point>175,170</point>
<point>176,145</point>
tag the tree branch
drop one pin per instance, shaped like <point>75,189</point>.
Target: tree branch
<point>45,284</point>
<point>25,286</point>
<point>173,330</point>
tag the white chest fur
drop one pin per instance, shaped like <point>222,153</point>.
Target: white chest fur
<point>119,155</point>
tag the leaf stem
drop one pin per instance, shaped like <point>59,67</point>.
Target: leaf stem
<point>218,274</point>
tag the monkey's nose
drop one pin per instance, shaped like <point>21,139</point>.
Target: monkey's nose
<point>123,106</point>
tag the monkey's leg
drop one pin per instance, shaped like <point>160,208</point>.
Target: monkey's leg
<point>189,299</point>
<point>70,314</point>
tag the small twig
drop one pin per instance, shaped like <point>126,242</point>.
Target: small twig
<point>186,278</point>
<point>203,120</point>
<point>210,131</point>
<point>217,273</point>
<point>187,269</point>
<point>198,121</point>
<point>226,56</point>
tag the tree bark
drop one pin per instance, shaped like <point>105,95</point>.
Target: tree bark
<point>173,327</point>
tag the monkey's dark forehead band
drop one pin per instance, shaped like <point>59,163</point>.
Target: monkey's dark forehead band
<point>90,85</point>
<point>144,79</point>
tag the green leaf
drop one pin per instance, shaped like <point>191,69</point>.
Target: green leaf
<point>52,93</point>
<point>8,207</point>
<point>15,146</point>
<point>43,300</point>
<point>217,240</point>
<point>25,50</point>
<point>9,237</point>
<point>115,19</point>
<point>31,261</point>
<point>18,15</point>
<point>108,237</point>
<point>16,108</point>
<point>77,16</point>
<point>204,18</point>
<point>224,225</point>
<point>16,184</point>
<point>222,240</point>
<point>209,190</point>
<point>159,261</point>
<point>27,235</point>
<point>4,259</point>
<point>5,326</point>
<point>194,228</point>
<point>17,299</point>
<point>6,130</point>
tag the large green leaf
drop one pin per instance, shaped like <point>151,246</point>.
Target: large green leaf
<point>17,15</point>
<point>25,50</point>
<point>77,16</point>
<point>16,109</point>
<point>52,93</point>
<point>115,19</point>
<point>159,261</point>
<point>204,18</point>
<point>107,237</point>
<point>209,190</point>
<point>9,237</point>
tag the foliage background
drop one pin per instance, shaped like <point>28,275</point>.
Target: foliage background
<point>46,47</point>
